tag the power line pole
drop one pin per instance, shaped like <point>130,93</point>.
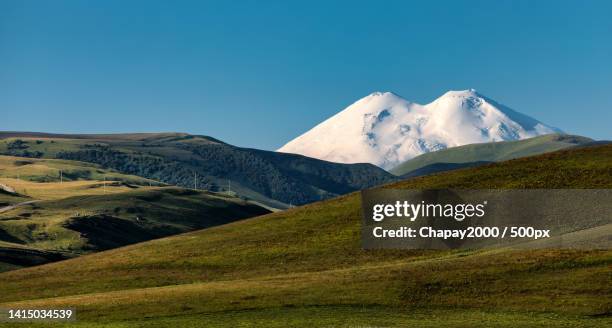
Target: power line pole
<point>195,180</point>
<point>61,177</point>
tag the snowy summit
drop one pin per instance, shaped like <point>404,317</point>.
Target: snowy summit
<point>385,129</point>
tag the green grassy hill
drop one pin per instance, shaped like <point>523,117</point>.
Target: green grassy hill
<point>44,179</point>
<point>86,223</point>
<point>275,179</point>
<point>46,218</point>
<point>10,198</point>
<point>305,267</point>
<point>48,170</point>
<point>15,256</point>
<point>470,155</point>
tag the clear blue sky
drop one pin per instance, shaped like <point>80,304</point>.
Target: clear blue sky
<point>259,73</point>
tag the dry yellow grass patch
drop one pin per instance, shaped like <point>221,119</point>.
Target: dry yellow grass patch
<point>59,190</point>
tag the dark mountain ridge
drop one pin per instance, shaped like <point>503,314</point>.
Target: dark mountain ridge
<point>275,179</point>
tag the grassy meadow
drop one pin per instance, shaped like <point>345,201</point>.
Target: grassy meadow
<point>304,266</point>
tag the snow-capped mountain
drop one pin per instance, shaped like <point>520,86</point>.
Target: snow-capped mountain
<point>385,129</point>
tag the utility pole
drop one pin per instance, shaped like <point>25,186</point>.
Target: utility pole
<point>61,176</point>
<point>229,187</point>
<point>104,185</point>
<point>195,180</point>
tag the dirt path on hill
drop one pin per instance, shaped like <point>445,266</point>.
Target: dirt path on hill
<point>10,207</point>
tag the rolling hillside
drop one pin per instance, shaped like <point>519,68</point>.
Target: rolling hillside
<point>476,154</point>
<point>9,198</point>
<point>45,179</point>
<point>275,179</point>
<point>47,216</point>
<point>48,170</point>
<point>304,266</point>
<point>85,223</point>
<point>15,256</point>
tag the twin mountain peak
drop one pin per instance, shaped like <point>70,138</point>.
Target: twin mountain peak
<point>385,129</point>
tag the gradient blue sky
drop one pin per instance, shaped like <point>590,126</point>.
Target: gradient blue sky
<point>259,73</point>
